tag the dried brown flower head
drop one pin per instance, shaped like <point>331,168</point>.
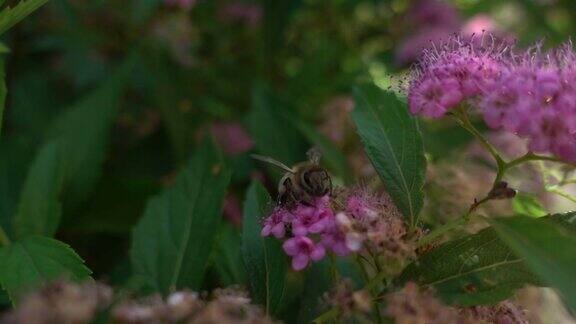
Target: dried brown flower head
<point>62,302</point>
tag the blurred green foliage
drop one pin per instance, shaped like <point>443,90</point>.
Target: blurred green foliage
<point>128,90</point>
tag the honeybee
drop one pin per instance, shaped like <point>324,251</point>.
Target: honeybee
<point>303,182</point>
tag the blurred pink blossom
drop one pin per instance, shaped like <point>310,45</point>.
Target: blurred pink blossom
<point>433,13</point>
<point>232,137</point>
<point>478,25</point>
<point>238,11</point>
<point>232,209</point>
<point>184,4</point>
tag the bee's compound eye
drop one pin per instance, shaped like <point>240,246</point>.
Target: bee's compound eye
<point>317,182</point>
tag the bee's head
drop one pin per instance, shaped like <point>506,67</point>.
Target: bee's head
<point>316,181</point>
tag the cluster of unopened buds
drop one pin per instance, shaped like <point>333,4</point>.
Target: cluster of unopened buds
<point>341,225</point>
<point>531,94</point>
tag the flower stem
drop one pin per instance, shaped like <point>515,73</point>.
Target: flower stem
<point>530,156</point>
<point>503,166</point>
<point>464,121</point>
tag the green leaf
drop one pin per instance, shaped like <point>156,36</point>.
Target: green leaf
<point>15,157</point>
<point>228,257</point>
<point>272,133</point>
<point>26,264</point>
<point>566,220</point>
<point>334,158</point>
<point>277,16</point>
<point>528,205</point>
<point>318,281</point>
<point>39,209</point>
<point>264,259</point>
<point>173,240</point>
<point>11,16</point>
<point>142,10</point>
<point>393,142</point>
<point>3,92</point>
<point>477,269</point>
<point>84,131</point>
<point>547,248</point>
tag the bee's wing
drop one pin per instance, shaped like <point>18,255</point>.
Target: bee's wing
<point>272,161</point>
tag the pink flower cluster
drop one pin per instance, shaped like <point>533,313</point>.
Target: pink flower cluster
<point>373,221</point>
<point>535,98</point>
<point>448,75</point>
<point>532,95</point>
<point>310,231</point>
<point>361,220</point>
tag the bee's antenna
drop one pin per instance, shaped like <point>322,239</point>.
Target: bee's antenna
<point>272,161</point>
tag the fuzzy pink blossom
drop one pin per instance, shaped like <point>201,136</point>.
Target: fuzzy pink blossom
<point>448,75</point>
<point>535,98</point>
<point>303,250</point>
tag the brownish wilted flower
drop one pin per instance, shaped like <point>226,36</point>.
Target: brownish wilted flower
<point>373,221</point>
<point>505,312</point>
<point>413,305</point>
<point>62,302</point>
<point>149,310</point>
<point>349,301</point>
<point>230,305</point>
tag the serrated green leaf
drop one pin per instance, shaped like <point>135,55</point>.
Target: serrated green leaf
<point>39,208</point>
<point>477,269</point>
<point>84,131</point>
<point>393,142</point>
<point>273,135</point>
<point>548,248</point>
<point>173,240</point>
<point>228,257</point>
<point>11,16</point>
<point>264,260</point>
<point>26,264</point>
<point>566,220</point>
<point>524,204</point>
